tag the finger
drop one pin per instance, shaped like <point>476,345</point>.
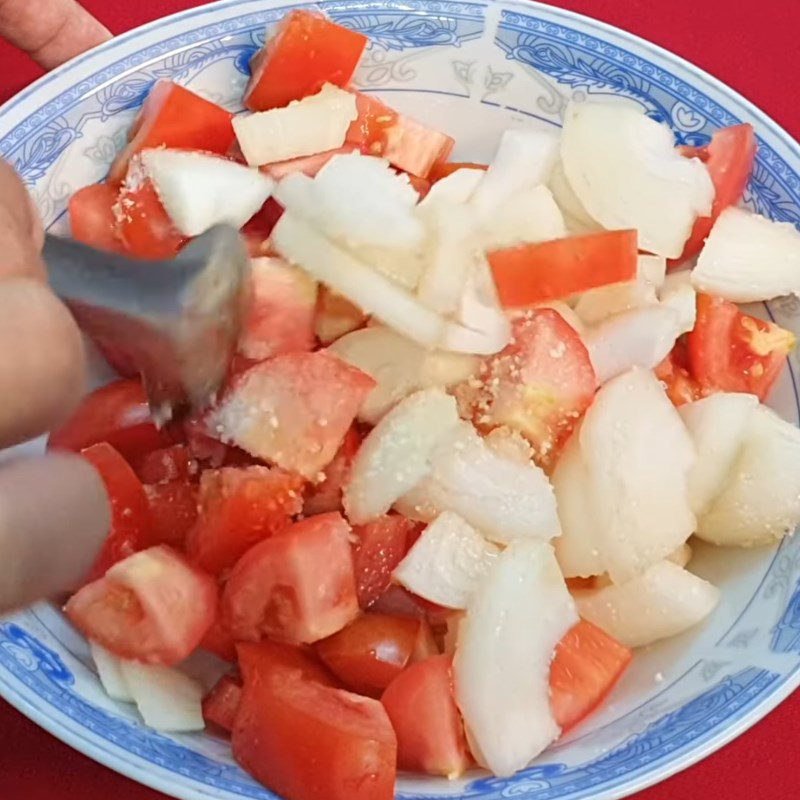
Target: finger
<point>50,31</point>
<point>42,370</point>
<point>21,232</point>
<point>54,518</point>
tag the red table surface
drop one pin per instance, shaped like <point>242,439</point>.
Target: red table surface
<point>751,46</point>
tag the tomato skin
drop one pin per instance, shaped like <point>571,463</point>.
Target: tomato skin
<point>144,226</point>
<point>306,741</point>
<point>730,351</point>
<point>238,508</point>
<point>92,217</point>
<point>175,117</point>
<point>445,168</point>
<point>262,660</point>
<point>327,495</point>
<point>173,512</point>
<point>381,545</point>
<point>297,586</point>
<point>371,651</point>
<point>130,511</point>
<point>586,666</point>
<point>306,51</point>
<point>153,607</point>
<point>529,274</point>
<point>424,715</point>
<point>729,157</point>
<point>221,704</point>
<point>116,413</point>
<point>539,384</point>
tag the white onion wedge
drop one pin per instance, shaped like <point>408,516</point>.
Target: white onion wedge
<point>639,499</point>
<point>682,299</point>
<point>504,499</point>
<point>396,455</point>
<point>641,337</point>
<point>748,258</point>
<point>399,366</point>
<point>524,159</point>
<point>510,444</point>
<point>199,191</point>
<point>304,127</point>
<point>529,215</point>
<point>576,217</point>
<point>664,601</point>
<point>682,556</point>
<point>447,562</point>
<point>167,699</point>
<point>109,671</point>
<point>505,645</point>
<point>717,425</point>
<point>625,170</point>
<point>761,501</point>
<point>455,189</point>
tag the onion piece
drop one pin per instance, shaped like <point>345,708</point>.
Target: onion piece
<point>457,188</point>
<point>639,501</point>
<point>501,668</point>
<point>529,215</point>
<point>761,503</point>
<point>625,170</point>
<point>167,699</point>
<point>576,217</point>
<point>682,556</point>
<point>717,425</point>
<point>748,258</point>
<point>304,127</point>
<point>396,455</point>
<point>199,191</point>
<point>447,563</point>
<point>664,601</point>
<point>109,671</point>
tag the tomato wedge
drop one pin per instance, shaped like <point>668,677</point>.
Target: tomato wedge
<point>327,495</point>
<point>173,116</point>
<point>371,651</point>
<point>297,586</point>
<point>430,732</point>
<point>130,512</point>
<point>92,217</point>
<point>729,157</point>
<point>218,640</point>
<point>116,413</point>
<point>539,385</point>
<point>144,226</point>
<point>674,372</point>
<point>166,464</point>
<point>152,607</point>
<point>173,512</point>
<point>381,545</point>
<point>238,508</point>
<point>222,703</point>
<point>443,169</point>
<point>529,274</point>
<point>262,660</point>
<point>306,741</point>
<point>586,666</point>
<point>730,351</point>
<point>306,51</point>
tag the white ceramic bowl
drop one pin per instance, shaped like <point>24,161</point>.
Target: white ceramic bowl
<point>472,69</point>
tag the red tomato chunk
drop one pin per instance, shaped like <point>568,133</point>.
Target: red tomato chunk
<point>297,586</point>
<point>222,703</point>
<point>305,51</point>
<point>166,464</point>
<point>327,495</point>
<point>152,607</point>
<point>92,217</point>
<point>423,712</point>
<point>240,507</point>
<point>173,512</point>
<point>262,660</point>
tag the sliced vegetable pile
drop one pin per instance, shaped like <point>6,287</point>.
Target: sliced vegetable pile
<point>470,428</point>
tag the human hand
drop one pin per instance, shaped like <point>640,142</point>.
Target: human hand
<point>54,512</point>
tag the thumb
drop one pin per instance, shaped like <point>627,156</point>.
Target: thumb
<point>50,31</point>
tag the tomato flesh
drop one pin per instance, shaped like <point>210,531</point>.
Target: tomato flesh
<point>586,666</point>
<point>539,385</point>
<point>306,51</point>
<point>262,660</point>
<point>730,351</point>
<point>729,157</point>
<point>675,373</point>
<point>175,117</point>
<point>92,217</point>
<point>152,607</point>
<point>173,512</point>
<point>222,702</point>
<point>116,413</point>
<point>130,511</point>
<point>327,495</point>
<point>297,586</point>
<point>424,715</point>
<point>166,464</point>
<point>238,508</point>
<point>529,274</point>
<point>218,640</point>
<point>371,651</point>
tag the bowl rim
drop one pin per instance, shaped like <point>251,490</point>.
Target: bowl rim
<point>137,769</point>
